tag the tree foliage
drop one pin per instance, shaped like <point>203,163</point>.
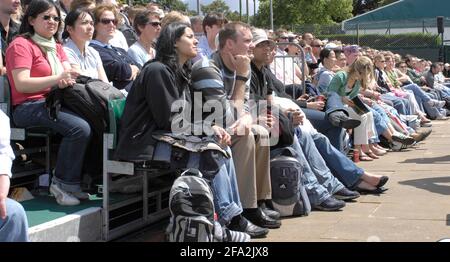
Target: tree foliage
<point>177,5</point>
<point>216,6</point>
<point>221,7</point>
<point>295,12</point>
<point>362,6</point>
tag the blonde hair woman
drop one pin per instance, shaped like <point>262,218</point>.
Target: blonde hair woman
<point>347,84</point>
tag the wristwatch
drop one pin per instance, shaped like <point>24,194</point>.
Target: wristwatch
<point>242,78</point>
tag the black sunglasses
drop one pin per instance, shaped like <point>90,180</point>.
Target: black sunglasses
<point>55,18</point>
<point>106,21</point>
<point>154,24</point>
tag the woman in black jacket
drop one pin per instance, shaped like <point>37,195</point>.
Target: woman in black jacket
<point>164,83</point>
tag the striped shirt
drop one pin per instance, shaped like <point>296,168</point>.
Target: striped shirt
<point>216,82</point>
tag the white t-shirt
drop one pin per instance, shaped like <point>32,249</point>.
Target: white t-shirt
<point>6,152</point>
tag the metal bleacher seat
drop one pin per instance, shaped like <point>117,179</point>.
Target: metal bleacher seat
<point>22,134</point>
<point>123,213</point>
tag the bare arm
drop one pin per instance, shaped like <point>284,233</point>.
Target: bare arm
<point>102,74</point>
<point>242,65</point>
<point>26,84</point>
<point>4,189</point>
<point>298,71</point>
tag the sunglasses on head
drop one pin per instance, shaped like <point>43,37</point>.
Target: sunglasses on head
<point>107,21</point>
<point>55,18</point>
<point>154,24</point>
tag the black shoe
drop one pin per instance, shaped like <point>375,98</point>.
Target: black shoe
<point>383,181</point>
<point>268,211</point>
<point>339,119</point>
<point>376,191</point>
<point>346,194</point>
<point>330,204</point>
<point>259,218</point>
<point>241,224</point>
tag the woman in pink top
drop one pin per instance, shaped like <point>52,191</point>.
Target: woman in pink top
<point>36,62</point>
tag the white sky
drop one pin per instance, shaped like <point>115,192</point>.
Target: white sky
<point>233,4</point>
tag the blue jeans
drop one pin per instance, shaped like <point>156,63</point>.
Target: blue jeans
<point>15,227</point>
<point>340,165</point>
<point>422,99</point>
<point>380,118</point>
<point>401,104</point>
<point>76,134</point>
<point>320,184</point>
<point>334,103</point>
<point>320,121</point>
<point>226,192</point>
<point>418,93</point>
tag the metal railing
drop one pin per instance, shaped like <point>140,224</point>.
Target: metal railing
<point>287,65</point>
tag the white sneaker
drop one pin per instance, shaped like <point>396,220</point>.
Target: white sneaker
<point>398,146</point>
<point>80,195</point>
<point>62,197</point>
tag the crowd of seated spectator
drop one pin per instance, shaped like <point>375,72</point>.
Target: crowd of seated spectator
<point>377,101</point>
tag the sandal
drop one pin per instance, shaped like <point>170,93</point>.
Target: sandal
<point>364,157</point>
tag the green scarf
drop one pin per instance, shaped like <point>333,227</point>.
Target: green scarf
<point>49,47</point>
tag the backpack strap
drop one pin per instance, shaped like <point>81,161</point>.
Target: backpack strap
<point>192,172</point>
<point>288,151</point>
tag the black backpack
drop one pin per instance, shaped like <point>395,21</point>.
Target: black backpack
<point>289,196</point>
<point>191,205</point>
<point>88,98</point>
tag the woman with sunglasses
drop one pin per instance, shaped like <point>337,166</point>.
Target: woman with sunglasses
<point>120,68</point>
<point>36,62</point>
<point>147,26</point>
<point>79,30</point>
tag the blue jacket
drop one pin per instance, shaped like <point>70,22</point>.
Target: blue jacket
<point>116,62</point>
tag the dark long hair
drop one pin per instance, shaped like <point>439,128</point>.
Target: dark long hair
<point>166,52</point>
<point>325,53</point>
<point>72,17</point>
<point>35,8</point>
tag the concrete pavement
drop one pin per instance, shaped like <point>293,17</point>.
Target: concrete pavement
<point>415,208</point>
